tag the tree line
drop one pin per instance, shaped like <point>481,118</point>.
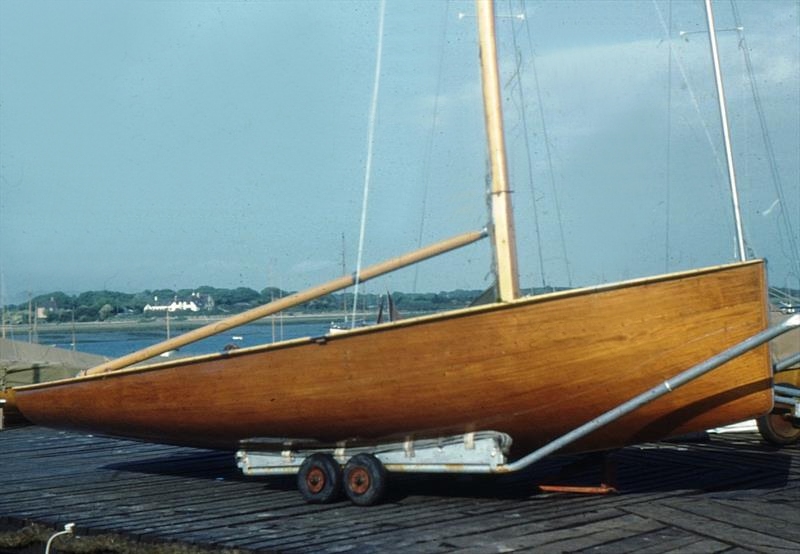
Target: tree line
<point>104,305</point>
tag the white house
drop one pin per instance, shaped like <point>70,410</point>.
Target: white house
<point>175,306</point>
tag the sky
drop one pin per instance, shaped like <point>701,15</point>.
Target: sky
<point>148,144</point>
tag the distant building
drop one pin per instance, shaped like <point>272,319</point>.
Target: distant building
<point>51,306</point>
<point>175,306</point>
<point>195,304</point>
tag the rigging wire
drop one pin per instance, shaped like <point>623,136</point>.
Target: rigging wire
<point>426,163</point>
<point>548,152</point>
<point>368,169</point>
<point>517,76</point>
<point>794,253</point>
<point>692,96</point>
<point>669,144</point>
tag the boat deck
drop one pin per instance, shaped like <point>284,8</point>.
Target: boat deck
<point>728,493</point>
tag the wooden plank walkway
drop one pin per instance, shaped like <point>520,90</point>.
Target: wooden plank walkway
<point>731,493</point>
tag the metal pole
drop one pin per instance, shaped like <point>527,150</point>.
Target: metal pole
<point>787,363</point>
<point>656,392</point>
<point>723,113</point>
<point>633,404</point>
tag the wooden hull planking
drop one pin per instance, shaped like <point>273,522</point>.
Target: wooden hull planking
<point>534,368</point>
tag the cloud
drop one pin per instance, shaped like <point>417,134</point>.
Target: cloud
<point>312,266</point>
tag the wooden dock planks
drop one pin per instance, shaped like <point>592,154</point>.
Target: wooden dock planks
<point>729,493</point>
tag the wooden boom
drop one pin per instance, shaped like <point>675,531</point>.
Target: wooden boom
<point>288,302</point>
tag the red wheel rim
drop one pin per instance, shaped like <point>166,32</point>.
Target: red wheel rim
<point>782,426</point>
<point>358,481</point>
<point>315,480</point>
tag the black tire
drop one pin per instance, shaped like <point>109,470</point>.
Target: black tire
<point>320,479</point>
<point>777,429</point>
<point>364,480</point>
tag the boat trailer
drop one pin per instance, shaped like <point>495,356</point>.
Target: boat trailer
<point>781,427</point>
<point>360,470</point>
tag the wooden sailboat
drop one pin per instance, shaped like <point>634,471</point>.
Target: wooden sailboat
<point>532,369</point>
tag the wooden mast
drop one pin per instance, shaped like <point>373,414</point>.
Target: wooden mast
<point>502,230</point>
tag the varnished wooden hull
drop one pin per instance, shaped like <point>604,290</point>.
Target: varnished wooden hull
<point>534,369</point>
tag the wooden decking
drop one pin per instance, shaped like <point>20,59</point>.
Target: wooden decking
<point>729,493</point>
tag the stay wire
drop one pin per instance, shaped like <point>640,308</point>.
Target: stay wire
<point>368,170</point>
<point>770,151</point>
<point>524,119</point>
<point>668,171</point>
<point>721,171</point>
<point>547,149</point>
<point>426,169</point>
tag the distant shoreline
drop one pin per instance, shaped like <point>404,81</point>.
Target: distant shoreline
<point>179,322</point>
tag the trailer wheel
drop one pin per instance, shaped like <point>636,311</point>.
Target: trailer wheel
<point>320,479</point>
<point>778,429</point>
<point>364,480</point>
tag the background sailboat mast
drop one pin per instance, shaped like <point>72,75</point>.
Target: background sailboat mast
<point>502,216</point>
<point>726,134</point>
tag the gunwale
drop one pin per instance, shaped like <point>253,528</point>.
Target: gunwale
<point>382,327</point>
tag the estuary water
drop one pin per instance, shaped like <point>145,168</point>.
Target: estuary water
<point>113,343</point>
